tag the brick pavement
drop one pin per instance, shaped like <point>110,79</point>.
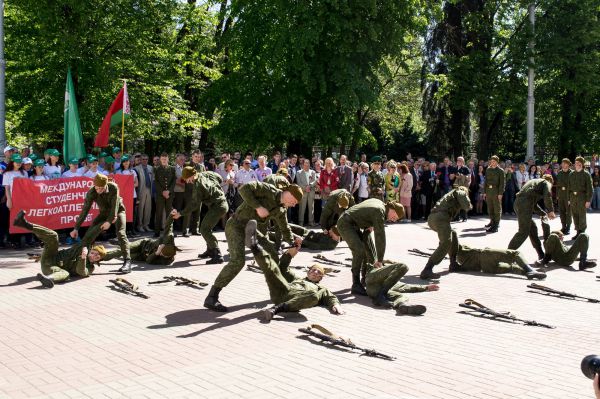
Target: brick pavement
<point>81,339</point>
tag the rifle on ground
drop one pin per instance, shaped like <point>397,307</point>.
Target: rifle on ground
<point>327,336</point>
<point>180,281</point>
<point>34,257</point>
<point>477,307</point>
<point>128,288</point>
<point>553,292</point>
<point>330,261</point>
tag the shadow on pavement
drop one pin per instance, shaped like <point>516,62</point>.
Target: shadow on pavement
<point>20,281</point>
<point>482,234</point>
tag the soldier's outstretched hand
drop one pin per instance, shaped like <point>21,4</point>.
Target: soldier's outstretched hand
<point>551,216</point>
<point>433,287</point>
<point>596,387</point>
<point>105,226</point>
<point>337,309</point>
<point>74,234</point>
<point>262,212</point>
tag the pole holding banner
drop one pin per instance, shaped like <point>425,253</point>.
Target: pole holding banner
<point>125,100</point>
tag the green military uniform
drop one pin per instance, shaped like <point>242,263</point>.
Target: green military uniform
<point>145,250</point>
<point>369,213</point>
<point>191,221</point>
<point>375,183</point>
<point>207,190</point>
<point>280,182</point>
<point>310,239</point>
<point>276,180</point>
<point>525,206</point>
<point>580,192</point>
<point>164,180</point>
<point>563,255</point>
<point>494,186</point>
<point>284,288</point>
<point>388,278</point>
<point>255,194</point>
<point>444,211</point>
<point>111,206</point>
<point>332,210</point>
<point>562,194</point>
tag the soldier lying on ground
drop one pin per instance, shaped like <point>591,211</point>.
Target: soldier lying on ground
<point>565,256</point>
<point>312,239</point>
<point>288,292</point>
<point>59,265</point>
<point>488,260</point>
<point>153,251</point>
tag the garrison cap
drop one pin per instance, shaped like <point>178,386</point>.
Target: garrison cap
<point>376,159</point>
<point>548,178</point>
<point>343,202</point>
<point>397,207</point>
<point>101,250</point>
<point>318,267</point>
<point>295,190</point>
<point>495,158</point>
<point>100,180</point>
<point>282,171</point>
<point>188,172</point>
<point>168,251</point>
<point>580,159</point>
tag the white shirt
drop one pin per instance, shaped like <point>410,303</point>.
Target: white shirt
<point>39,178</point>
<point>362,186</point>
<point>68,173</point>
<point>52,172</point>
<point>522,178</point>
<point>262,173</point>
<point>8,177</point>
<point>90,173</point>
<point>244,176</point>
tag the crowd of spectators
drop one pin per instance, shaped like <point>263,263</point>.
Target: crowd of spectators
<point>415,182</point>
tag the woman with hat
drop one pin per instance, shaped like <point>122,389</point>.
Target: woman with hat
<point>38,172</point>
<point>53,170</point>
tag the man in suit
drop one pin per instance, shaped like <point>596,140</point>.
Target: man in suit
<point>145,174</point>
<point>447,176</point>
<point>473,183</point>
<point>345,174</point>
<point>429,181</point>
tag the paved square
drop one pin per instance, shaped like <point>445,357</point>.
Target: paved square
<point>82,339</point>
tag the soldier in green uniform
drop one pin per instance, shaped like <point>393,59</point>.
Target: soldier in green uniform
<point>386,289</point>
<point>111,210</point>
<point>59,265</point>
<point>371,215</point>
<point>208,191</point>
<point>562,194</point>
<point>526,205</point>
<point>190,223</point>
<point>444,211</point>
<point>261,202</point>
<point>488,260</point>
<point>494,188</point>
<point>313,239</point>
<point>339,200</point>
<point>288,292</point>
<point>375,179</point>
<point>153,251</point>
<point>580,195</point>
<point>278,179</point>
<point>565,256</point>
<point>164,181</point>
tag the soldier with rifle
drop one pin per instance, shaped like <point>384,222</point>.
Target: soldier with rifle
<point>153,251</point>
<point>59,265</point>
<point>288,292</point>
<point>565,256</point>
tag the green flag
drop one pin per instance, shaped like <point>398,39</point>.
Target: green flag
<point>73,141</point>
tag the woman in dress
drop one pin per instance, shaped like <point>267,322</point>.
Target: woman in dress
<point>406,190</point>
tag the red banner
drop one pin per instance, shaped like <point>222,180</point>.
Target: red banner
<point>57,203</point>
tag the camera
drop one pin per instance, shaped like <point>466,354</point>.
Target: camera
<point>590,365</point>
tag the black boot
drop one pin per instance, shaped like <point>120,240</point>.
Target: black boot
<point>185,233</point>
<point>427,273</point>
<point>273,310</point>
<point>215,257</point>
<point>454,266</point>
<point>576,235</point>
<point>567,230</point>
<point>357,287</point>
<point>381,299</point>
<point>584,263</point>
<point>493,228</point>
<point>46,281</point>
<point>20,221</point>
<point>540,253</point>
<point>212,300</point>
<point>543,261</point>
<point>126,268</point>
<point>489,224</point>
<point>205,254</point>
<point>412,309</point>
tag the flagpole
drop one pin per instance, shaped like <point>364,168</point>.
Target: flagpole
<point>123,120</point>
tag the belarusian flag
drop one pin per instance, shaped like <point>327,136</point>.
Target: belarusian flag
<point>73,139</point>
<point>118,110</point>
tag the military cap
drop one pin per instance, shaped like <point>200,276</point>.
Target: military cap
<point>580,159</point>
<point>376,159</point>
<point>101,250</point>
<point>495,158</point>
<point>16,158</point>
<point>548,178</point>
<point>109,159</point>
<point>125,158</point>
<point>567,160</point>
<point>116,150</point>
<point>188,172</point>
<point>33,157</point>
<point>168,251</point>
<point>100,180</point>
<point>392,164</point>
<point>39,162</point>
<point>397,207</point>
<point>53,152</point>
<point>27,160</point>
<point>74,161</point>
<point>295,190</point>
<point>282,171</point>
<point>343,201</point>
<point>103,155</point>
<point>318,267</point>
